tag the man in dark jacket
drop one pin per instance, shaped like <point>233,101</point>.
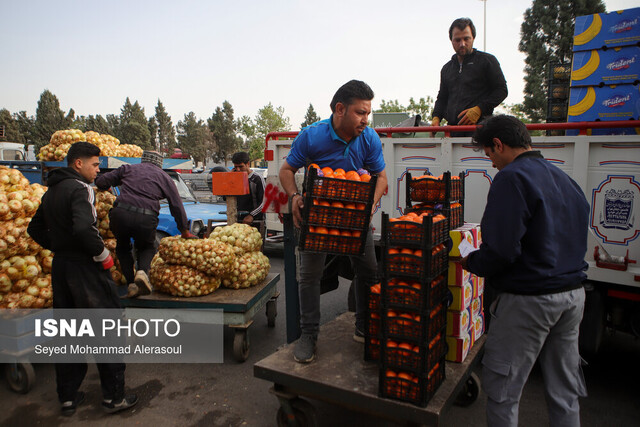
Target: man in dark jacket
<point>66,223</point>
<point>135,215</point>
<point>252,202</point>
<point>534,239</point>
<point>471,84</point>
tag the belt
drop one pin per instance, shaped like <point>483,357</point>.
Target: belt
<point>135,209</point>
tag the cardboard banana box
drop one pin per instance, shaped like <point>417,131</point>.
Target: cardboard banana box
<point>607,103</point>
<point>613,29</point>
<point>612,66</point>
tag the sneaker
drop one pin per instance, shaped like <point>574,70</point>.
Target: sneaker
<point>132,291</point>
<point>111,407</point>
<point>69,407</point>
<point>305,350</point>
<point>142,280</point>
<point>358,336</point>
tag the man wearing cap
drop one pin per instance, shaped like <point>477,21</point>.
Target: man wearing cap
<point>135,215</point>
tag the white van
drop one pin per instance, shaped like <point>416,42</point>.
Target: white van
<point>12,151</point>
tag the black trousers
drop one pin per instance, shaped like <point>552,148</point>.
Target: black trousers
<point>127,225</point>
<point>82,283</point>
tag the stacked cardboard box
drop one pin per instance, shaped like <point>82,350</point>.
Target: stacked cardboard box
<point>606,70</point>
<point>465,316</point>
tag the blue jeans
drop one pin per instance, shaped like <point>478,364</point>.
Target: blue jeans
<point>311,268</point>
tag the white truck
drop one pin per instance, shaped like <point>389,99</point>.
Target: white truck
<point>607,168</point>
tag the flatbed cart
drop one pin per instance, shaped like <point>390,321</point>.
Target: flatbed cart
<point>340,376</point>
<point>239,306</point>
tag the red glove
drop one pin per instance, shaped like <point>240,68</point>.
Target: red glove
<point>186,234</point>
<point>107,263</point>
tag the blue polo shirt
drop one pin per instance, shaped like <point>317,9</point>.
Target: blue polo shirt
<point>318,143</point>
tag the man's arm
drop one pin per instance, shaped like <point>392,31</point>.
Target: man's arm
<point>38,229</point>
<point>441,100</point>
<point>110,179</point>
<point>83,220</point>
<point>497,83</point>
<point>288,180</point>
<point>259,198</point>
<point>381,187</point>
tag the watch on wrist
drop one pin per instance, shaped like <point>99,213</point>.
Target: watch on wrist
<point>295,194</point>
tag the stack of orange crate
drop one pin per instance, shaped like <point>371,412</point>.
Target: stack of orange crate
<point>411,313</point>
<point>337,214</point>
<point>437,195</point>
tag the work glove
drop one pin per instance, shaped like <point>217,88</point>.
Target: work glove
<point>186,234</point>
<point>471,116</point>
<point>105,259</point>
<point>435,122</point>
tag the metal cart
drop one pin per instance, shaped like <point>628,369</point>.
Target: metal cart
<point>239,306</point>
<point>340,376</point>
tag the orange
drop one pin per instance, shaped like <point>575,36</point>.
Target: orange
<point>418,252</point>
<point>394,219</point>
<point>334,231</point>
<point>349,205</point>
<point>356,233</point>
<point>390,373</point>
<point>313,165</point>
<point>416,285</point>
<point>353,176</point>
<point>416,349</point>
<point>327,171</point>
<point>365,177</point>
<point>360,206</point>
<point>405,346</point>
<point>393,251</point>
<point>405,376</point>
<point>391,343</point>
<point>406,251</point>
<point>312,229</point>
<point>339,171</point>
<point>391,313</point>
<point>322,230</point>
<point>416,317</point>
<point>337,204</point>
<point>375,316</point>
<point>411,215</point>
<point>316,202</point>
<point>323,202</point>
<point>376,288</point>
<point>345,233</point>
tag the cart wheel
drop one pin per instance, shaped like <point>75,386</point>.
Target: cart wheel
<point>304,414</point>
<point>21,376</point>
<point>469,392</point>
<point>241,345</point>
<point>272,312</point>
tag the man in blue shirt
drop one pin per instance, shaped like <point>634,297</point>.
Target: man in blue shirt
<point>534,233</point>
<point>342,141</point>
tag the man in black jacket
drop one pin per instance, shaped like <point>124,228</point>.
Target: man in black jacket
<point>471,84</point>
<point>254,201</point>
<point>66,223</point>
<point>534,239</point>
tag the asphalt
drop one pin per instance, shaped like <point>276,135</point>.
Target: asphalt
<point>227,394</point>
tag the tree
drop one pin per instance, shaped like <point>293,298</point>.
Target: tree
<point>11,128</point>
<point>223,127</point>
<point>153,132</point>
<point>424,107</point>
<point>97,124</point>
<point>26,126</point>
<point>546,35</point>
<point>268,119</point>
<point>49,118</point>
<point>194,137</point>
<point>391,107</point>
<point>309,118</point>
<point>166,131</point>
<point>133,127</point>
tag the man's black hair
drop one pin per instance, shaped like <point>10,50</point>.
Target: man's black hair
<point>509,130</point>
<point>461,24</point>
<point>240,157</point>
<point>82,150</point>
<point>350,91</point>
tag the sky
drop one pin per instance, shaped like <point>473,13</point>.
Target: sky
<point>195,54</point>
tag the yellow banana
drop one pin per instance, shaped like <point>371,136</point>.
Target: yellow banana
<point>584,105</point>
<point>588,34</point>
<point>587,69</point>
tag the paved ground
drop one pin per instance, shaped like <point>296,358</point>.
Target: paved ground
<point>228,395</point>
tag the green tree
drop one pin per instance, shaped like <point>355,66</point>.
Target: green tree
<point>310,117</point>
<point>194,137</point>
<point>97,124</point>
<point>11,128</point>
<point>26,126</point>
<point>423,106</point>
<point>153,132</point>
<point>223,127</point>
<point>166,131</point>
<point>391,107</point>
<point>49,118</point>
<point>546,35</point>
<point>268,119</point>
<point>133,127</point>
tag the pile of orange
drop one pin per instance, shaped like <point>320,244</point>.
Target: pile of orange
<point>342,174</point>
<point>334,231</point>
<point>414,217</point>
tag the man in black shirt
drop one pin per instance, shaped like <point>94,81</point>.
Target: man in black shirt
<point>254,201</point>
<point>471,84</point>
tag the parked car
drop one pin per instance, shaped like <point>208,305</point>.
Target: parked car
<point>202,181</point>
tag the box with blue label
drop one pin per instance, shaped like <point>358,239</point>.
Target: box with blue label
<point>606,67</point>
<point>589,104</point>
<point>613,29</point>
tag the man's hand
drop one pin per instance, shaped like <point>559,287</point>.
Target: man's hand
<point>435,122</point>
<point>107,263</point>
<point>464,263</point>
<point>247,219</point>
<point>105,259</point>
<point>471,116</point>
<point>186,234</point>
<point>297,204</point>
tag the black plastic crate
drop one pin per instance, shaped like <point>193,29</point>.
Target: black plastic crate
<point>413,295</point>
<point>417,267</point>
<point>410,234</point>
<point>415,357</point>
<point>410,325</point>
<point>418,390</point>
<point>371,348</point>
<point>332,244</point>
<point>337,217</point>
<point>558,72</point>
<point>557,109</point>
<point>431,189</point>
<point>558,91</point>
<point>339,189</point>
<point>454,211</point>
<point>373,324</point>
